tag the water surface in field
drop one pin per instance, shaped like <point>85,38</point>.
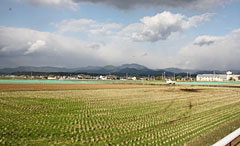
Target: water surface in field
<point>205,83</point>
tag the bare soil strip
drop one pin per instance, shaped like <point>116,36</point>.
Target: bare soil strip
<point>25,87</point>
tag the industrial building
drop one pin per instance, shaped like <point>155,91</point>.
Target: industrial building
<point>229,76</point>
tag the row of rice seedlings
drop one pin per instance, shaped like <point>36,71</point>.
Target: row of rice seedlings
<point>76,123</point>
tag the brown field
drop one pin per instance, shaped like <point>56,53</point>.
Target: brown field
<point>18,87</point>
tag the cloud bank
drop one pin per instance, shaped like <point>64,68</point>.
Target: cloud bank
<point>88,26</point>
<point>51,3</point>
<point>31,47</point>
<point>20,46</point>
<point>149,29</point>
<point>211,52</point>
<point>193,5</point>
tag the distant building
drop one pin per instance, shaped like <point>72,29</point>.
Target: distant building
<point>217,77</point>
<point>102,78</point>
<point>80,77</point>
<point>231,76</point>
<point>143,78</point>
<point>134,78</point>
<point>111,77</point>
<point>52,78</point>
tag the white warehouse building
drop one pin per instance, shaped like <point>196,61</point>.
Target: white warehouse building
<point>217,77</point>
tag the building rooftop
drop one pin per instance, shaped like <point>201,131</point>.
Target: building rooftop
<point>212,75</point>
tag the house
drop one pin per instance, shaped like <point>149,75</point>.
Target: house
<point>217,77</point>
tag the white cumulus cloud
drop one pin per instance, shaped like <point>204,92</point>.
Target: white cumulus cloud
<point>21,46</point>
<point>150,28</point>
<point>35,46</point>
<point>211,52</point>
<point>205,40</point>
<point>162,26</point>
<point>31,47</point>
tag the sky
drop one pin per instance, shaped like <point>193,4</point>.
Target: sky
<point>187,34</point>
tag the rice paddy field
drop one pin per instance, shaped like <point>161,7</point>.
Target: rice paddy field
<point>113,114</point>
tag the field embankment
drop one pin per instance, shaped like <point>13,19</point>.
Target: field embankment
<point>25,87</point>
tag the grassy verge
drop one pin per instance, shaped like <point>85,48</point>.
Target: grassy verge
<point>215,134</point>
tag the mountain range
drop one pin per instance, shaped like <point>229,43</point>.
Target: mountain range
<point>131,69</point>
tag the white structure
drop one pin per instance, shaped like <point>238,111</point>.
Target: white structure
<point>134,78</point>
<point>231,139</point>
<point>102,78</point>
<point>170,82</point>
<point>211,77</point>
<point>230,76</point>
<point>52,78</point>
<point>217,77</point>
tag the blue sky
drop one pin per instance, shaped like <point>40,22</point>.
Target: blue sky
<point>196,34</point>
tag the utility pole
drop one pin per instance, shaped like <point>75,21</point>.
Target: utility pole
<point>174,76</point>
<point>214,74</point>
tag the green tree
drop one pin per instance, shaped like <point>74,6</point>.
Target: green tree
<point>179,77</point>
<point>158,78</point>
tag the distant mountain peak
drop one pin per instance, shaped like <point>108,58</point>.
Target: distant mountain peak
<point>133,65</point>
<point>132,68</point>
